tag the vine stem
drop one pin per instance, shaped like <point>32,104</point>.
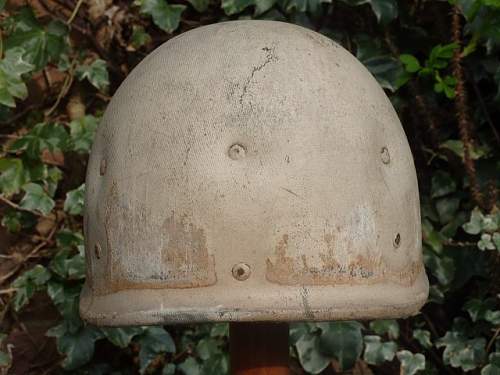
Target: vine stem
<point>462,110</point>
<point>18,207</point>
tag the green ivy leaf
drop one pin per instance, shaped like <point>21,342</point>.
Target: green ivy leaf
<point>78,347</point>
<point>474,226</point>
<point>442,267</point>
<point>493,368</point>
<point>423,337</point>
<point>342,340</point>
<point>28,283</point>
<point>199,5</point>
<point>166,16</point>
<point>457,147</point>
<point>40,44</point>
<point>310,356</point>
<point>462,352</point>
<point>75,200</point>
<point>442,184</point>
<point>190,367</point>
<point>96,73</point>
<point>43,136</point>
<point>36,199</point>
<point>385,10</point>
<point>13,175</point>
<point>140,37</point>
<point>382,327</point>
<point>12,68</point>
<point>376,351</point>
<point>121,337</point>
<point>411,363</point>
<point>386,69</point>
<point>486,243</point>
<point>154,341</point>
<point>82,133</point>
<point>231,7</point>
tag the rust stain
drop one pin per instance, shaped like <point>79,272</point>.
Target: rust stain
<point>289,270</point>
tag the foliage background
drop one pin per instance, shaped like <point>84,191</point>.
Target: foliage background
<point>60,62</point>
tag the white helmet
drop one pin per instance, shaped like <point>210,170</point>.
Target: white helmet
<point>251,170</point>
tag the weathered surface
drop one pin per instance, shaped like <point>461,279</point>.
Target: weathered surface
<point>251,170</point>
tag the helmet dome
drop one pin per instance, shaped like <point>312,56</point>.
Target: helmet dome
<point>251,170</point>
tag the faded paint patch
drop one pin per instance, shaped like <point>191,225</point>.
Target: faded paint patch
<point>296,270</point>
<point>150,254</point>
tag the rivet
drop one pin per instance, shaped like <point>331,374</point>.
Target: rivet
<point>384,155</point>
<point>97,251</point>
<point>397,241</point>
<point>241,271</point>
<point>102,167</point>
<point>237,151</point>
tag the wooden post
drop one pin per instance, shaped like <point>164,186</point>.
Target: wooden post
<point>259,348</point>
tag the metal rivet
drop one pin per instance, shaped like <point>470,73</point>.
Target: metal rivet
<point>237,151</point>
<point>97,251</point>
<point>241,271</point>
<point>102,167</point>
<point>397,241</point>
<point>384,155</point>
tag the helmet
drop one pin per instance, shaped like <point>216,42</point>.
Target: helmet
<point>251,171</point>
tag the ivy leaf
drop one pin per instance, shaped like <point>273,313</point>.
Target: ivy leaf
<point>423,337</point>
<point>342,340</point>
<point>310,357</point>
<point>12,86</point>
<point>154,341</point>
<point>236,6</point>
<point>480,309</point>
<point>13,175</point>
<point>462,352</point>
<point>447,208</point>
<point>457,147</point>
<point>386,69</point>
<point>40,44</point>
<point>96,73</point>
<point>190,367</point>
<point>140,37</point>
<point>82,133</point>
<point>385,10</point>
<point>121,337</point>
<point>442,267</point>
<point>442,184</point>
<point>199,5</point>
<point>65,297</point>
<point>381,327</point>
<point>474,226</point>
<point>411,363</point>
<point>42,137</point>
<point>166,16</point>
<point>486,243</point>
<point>28,283</point>
<point>493,368</point>
<point>78,347</point>
<point>75,200</point>
<point>377,351</point>
<point>36,199</point>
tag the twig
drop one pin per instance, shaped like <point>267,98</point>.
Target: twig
<point>18,207</point>
<point>75,11</point>
<point>68,81</point>
<point>490,343</point>
<point>8,290</point>
<point>30,255</point>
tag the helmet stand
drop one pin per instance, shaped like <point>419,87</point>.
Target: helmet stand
<point>258,348</point>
